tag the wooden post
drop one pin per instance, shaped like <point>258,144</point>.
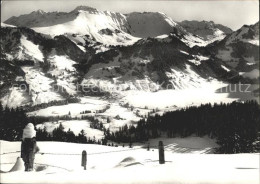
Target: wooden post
<point>130,144</point>
<point>148,146</point>
<point>84,159</point>
<point>161,153</point>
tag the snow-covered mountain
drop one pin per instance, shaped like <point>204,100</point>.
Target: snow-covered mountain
<point>207,30</point>
<point>153,63</point>
<point>109,28</point>
<point>240,50</point>
<point>74,50</point>
<point>30,59</point>
<point>39,62</point>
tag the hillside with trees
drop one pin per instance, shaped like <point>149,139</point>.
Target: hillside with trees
<point>235,126</point>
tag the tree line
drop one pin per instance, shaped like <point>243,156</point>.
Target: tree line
<point>12,122</point>
<point>51,103</point>
<point>59,134</point>
<point>235,126</point>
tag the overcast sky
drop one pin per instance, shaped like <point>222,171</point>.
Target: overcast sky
<point>233,14</point>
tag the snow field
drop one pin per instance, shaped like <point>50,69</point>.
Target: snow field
<point>74,109</point>
<point>75,126</point>
<point>91,24</point>
<point>180,98</point>
<point>117,114</point>
<point>130,166</point>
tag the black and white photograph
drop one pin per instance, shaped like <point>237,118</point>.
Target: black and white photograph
<point>129,92</point>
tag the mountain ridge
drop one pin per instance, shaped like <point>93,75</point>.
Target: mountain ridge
<point>208,30</point>
<point>133,25</point>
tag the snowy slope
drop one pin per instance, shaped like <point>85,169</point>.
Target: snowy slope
<point>6,25</point>
<point>24,50</point>
<point>106,27</point>
<point>63,70</point>
<point>14,97</point>
<point>109,28</point>
<point>240,50</point>
<point>40,87</point>
<point>38,67</point>
<point>74,109</point>
<point>30,49</point>
<point>151,64</point>
<point>30,85</point>
<point>100,109</point>
<point>209,31</point>
<point>75,126</point>
<point>132,165</point>
<point>247,34</point>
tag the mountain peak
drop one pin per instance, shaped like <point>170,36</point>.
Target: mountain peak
<point>38,12</point>
<point>85,8</point>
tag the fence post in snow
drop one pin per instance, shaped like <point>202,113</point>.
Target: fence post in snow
<point>84,159</point>
<point>161,153</point>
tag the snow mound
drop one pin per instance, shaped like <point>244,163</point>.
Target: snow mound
<point>128,161</point>
<point>18,166</point>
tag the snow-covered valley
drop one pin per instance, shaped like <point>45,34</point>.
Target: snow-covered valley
<point>130,106</point>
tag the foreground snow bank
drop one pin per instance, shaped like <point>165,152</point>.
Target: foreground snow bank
<point>125,165</point>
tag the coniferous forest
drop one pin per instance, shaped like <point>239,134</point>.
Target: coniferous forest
<point>12,122</point>
<point>235,126</point>
<point>59,134</point>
